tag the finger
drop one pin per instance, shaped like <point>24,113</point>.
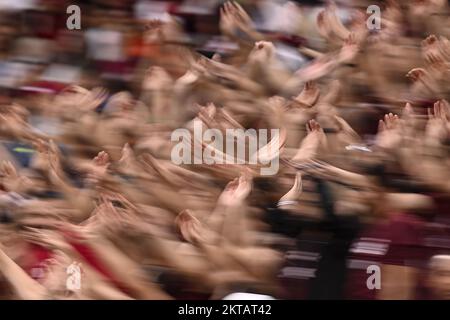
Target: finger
<point>430,114</point>
<point>308,127</point>
<point>381,126</point>
<point>436,109</point>
<point>5,167</point>
<point>409,109</point>
<point>298,181</point>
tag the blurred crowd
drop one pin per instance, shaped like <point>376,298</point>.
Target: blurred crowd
<point>92,206</point>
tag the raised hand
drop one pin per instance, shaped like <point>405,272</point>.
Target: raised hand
<point>80,99</point>
<point>40,159</point>
<point>236,191</point>
<point>424,81</point>
<point>98,168</point>
<point>311,143</point>
<point>438,125</point>
<point>101,163</point>
<point>190,227</point>
<point>329,25</point>
<point>47,238</point>
<point>233,19</point>
<point>349,50</point>
<point>292,196</point>
<point>11,179</point>
<point>262,54</point>
<point>346,132</point>
<point>432,50</point>
<point>309,95</point>
<point>389,132</point>
<point>318,68</point>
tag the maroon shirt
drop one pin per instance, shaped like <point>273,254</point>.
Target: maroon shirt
<point>397,240</point>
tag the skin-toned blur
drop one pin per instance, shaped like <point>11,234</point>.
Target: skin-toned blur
<point>93,207</point>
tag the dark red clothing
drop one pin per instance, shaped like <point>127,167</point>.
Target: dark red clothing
<point>396,241</point>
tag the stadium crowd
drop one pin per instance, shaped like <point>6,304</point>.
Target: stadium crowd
<point>87,177</point>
